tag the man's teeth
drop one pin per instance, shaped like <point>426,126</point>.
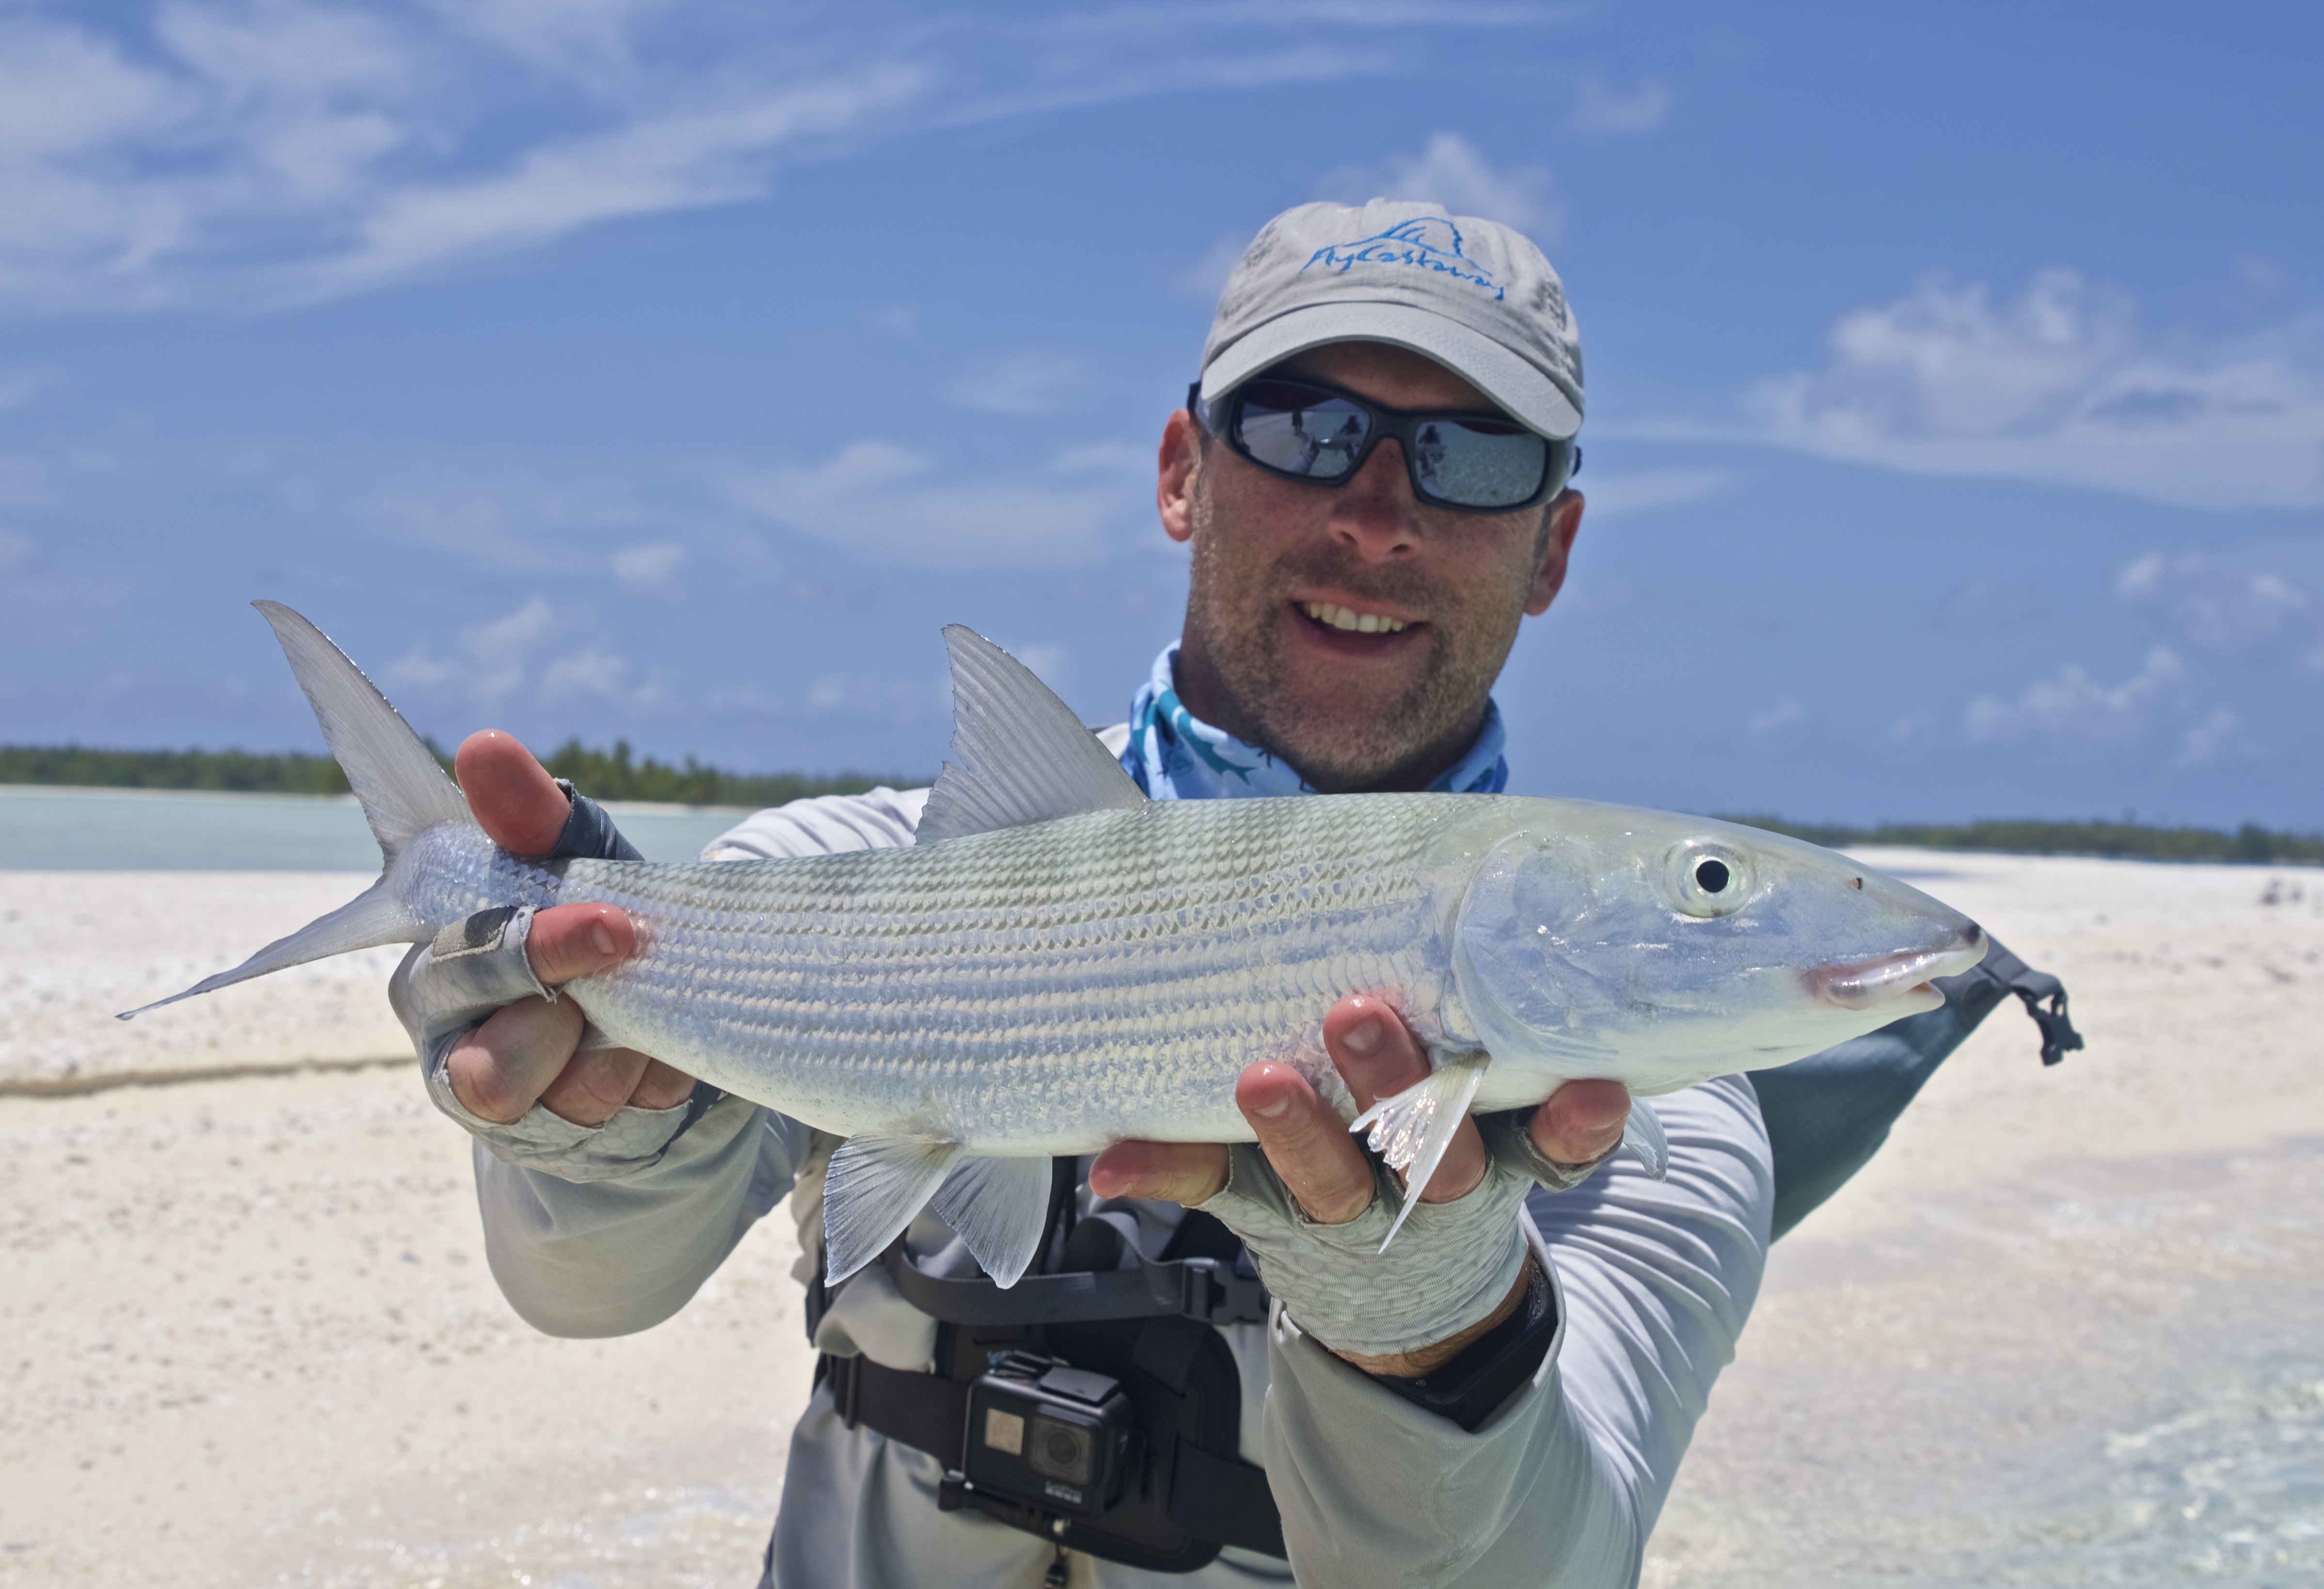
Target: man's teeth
<point>1324,612</point>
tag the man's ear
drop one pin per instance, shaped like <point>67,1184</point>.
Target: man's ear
<point>1180,467</point>
<point>1556,546</point>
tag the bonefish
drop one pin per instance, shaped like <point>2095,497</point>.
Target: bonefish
<point>1058,962</point>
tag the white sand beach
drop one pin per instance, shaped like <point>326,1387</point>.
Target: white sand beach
<point>2068,1327</point>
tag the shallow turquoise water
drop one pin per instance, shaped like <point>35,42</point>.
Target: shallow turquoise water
<point>169,830</point>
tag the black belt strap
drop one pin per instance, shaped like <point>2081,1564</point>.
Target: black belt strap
<point>1212,1497</point>
<point>924,1412</point>
<point>1206,1288</point>
<point>1222,1498</point>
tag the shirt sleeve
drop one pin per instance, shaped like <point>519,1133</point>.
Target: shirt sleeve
<point>611,1256</point>
<point>1653,1281</point>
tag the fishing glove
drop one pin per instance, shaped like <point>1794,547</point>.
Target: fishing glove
<point>1449,1266</point>
<point>446,988</point>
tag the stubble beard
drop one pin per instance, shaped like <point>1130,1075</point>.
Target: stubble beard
<point>1402,742</point>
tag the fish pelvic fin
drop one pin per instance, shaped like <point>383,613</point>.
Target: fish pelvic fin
<point>1411,1129</point>
<point>878,1183</point>
<point>1643,1138</point>
<point>999,1208</point>
<point>370,918</point>
<point>393,773</point>
<point>1021,754</point>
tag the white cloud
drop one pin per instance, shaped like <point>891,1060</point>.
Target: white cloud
<point>1450,171</point>
<point>594,673</point>
<point>651,566</point>
<point>491,661</point>
<point>1602,110</point>
<point>19,554</point>
<point>684,159</point>
<point>887,502</point>
<point>1030,382</point>
<point>1206,277</point>
<point>2218,735</point>
<point>1646,491</point>
<point>2074,711</point>
<point>2061,385</point>
<point>270,151</point>
<point>1784,721</point>
<point>19,386</point>
<point>2219,603</point>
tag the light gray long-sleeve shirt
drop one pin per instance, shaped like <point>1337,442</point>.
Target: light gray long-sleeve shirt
<point>1653,1281</point>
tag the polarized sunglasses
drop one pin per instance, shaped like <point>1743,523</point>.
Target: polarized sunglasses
<point>1462,459</point>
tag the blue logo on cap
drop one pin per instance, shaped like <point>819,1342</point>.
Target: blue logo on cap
<point>1430,242</point>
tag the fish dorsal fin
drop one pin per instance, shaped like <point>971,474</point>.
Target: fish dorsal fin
<point>1021,754</point>
<point>878,1183</point>
<point>403,792</point>
<point>999,1208</point>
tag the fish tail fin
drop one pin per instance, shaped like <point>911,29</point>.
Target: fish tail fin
<point>372,917</point>
<point>395,775</point>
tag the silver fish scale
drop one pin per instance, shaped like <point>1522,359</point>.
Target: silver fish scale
<point>1040,989</point>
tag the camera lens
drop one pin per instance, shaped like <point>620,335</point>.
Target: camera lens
<point>1060,1451</point>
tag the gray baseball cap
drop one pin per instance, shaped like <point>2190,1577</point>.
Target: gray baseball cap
<point>1471,294</point>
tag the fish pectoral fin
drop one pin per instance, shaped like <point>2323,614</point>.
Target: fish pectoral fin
<point>999,1208</point>
<point>877,1183</point>
<point>1642,1134</point>
<point>1411,1129</point>
<point>1021,754</point>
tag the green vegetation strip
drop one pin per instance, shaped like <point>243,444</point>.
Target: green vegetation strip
<point>618,775</point>
<point>606,775</point>
<point>2113,840</point>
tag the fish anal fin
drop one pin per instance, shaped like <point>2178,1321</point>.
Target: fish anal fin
<point>878,1183</point>
<point>999,1208</point>
<point>1020,755</point>
<point>1411,1129</point>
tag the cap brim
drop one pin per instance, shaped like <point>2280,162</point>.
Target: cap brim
<point>1521,389</point>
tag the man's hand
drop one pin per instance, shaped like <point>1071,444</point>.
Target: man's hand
<point>523,1054</point>
<point>1323,1167</point>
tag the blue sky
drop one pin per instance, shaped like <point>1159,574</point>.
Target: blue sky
<point>623,368</point>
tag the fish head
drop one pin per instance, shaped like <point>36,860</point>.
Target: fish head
<point>1662,951</point>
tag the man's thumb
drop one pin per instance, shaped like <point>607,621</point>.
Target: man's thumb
<point>514,798</point>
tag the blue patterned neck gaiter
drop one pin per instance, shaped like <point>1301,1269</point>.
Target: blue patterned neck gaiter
<point>1174,755</point>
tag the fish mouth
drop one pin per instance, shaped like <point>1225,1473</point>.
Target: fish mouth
<point>1870,982</point>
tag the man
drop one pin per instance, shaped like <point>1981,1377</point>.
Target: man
<point>1371,478</point>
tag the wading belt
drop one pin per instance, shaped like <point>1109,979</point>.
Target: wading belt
<point>1149,1328</point>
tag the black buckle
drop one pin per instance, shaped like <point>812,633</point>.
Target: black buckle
<point>1214,1293</point>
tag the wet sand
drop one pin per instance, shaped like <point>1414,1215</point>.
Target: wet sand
<point>2068,1327</point>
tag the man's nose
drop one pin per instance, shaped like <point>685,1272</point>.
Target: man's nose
<point>1375,513</point>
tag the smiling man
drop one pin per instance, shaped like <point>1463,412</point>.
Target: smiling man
<point>1371,475</point>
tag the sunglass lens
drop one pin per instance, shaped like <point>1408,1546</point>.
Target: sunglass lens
<point>1479,463</point>
<point>1300,430</point>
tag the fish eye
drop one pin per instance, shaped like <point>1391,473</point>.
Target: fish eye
<point>1705,878</point>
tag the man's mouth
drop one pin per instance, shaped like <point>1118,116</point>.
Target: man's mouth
<point>1348,620</point>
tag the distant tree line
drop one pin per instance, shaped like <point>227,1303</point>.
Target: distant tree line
<point>619,775</point>
<point>609,775</point>
<point>2112,840</point>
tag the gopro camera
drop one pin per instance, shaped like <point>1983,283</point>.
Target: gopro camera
<point>1048,1433</point>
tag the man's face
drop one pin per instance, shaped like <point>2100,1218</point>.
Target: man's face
<point>1276,561</point>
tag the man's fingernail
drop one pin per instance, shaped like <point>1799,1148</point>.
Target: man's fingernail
<point>1363,1037</point>
<point>1269,1111</point>
<point>599,939</point>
